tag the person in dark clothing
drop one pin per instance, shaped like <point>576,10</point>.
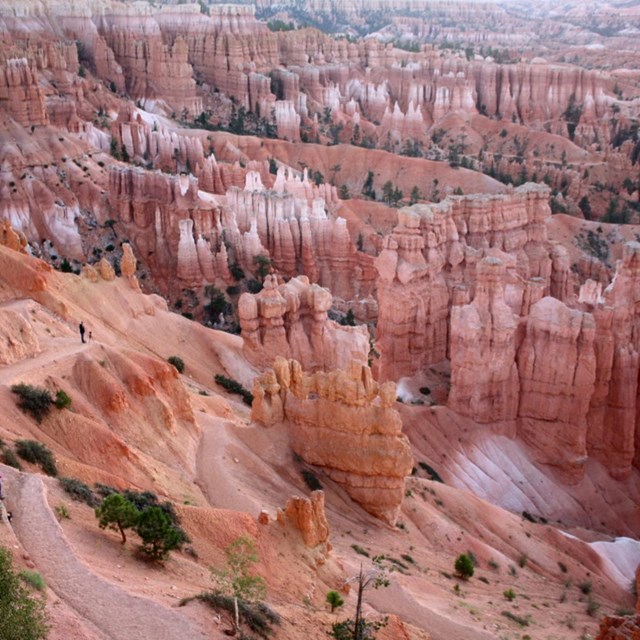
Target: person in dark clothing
<point>81,328</point>
<point>1,494</point>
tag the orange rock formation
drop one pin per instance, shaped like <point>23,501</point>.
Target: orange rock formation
<point>343,422</point>
<point>290,320</point>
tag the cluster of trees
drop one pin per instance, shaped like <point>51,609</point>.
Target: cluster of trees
<point>155,524</point>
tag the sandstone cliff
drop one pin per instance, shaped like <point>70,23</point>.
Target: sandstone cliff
<point>343,422</point>
<point>290,320</point>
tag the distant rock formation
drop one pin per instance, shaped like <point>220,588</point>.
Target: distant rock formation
<point>484,375</point>
<point>429,264</point>
<point>343,422</point>
<point>474,280</point>
<point>20,94</point>
<point>290,320</point>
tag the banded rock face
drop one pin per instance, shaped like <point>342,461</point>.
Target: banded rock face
<point>484,375</point>
<point>308,516</point>
<point>557,367</point>
<point>290,320</point>
<point>20,94</point>
<point>343,422</point>
<point>429,263</point>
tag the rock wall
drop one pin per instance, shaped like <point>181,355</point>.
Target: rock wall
<point>484,375</point>
<point>557,367</point>
<point>475,280</point>
<point>343,422</point>
<point>290,320</point>
<point>20,95</point>
<point>429,264</point>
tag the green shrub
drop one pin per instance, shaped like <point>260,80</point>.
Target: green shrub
<point>143,500</point>
<point>9,458</point>
<point>177,362</point>
<point>233,386</point>
<point>592,607</point>
<point>158,534</point>
<point>311,480</point>
<point>79,491</point>
<point>21,616</point>
<point>62,513</point>
<point>253,286</point>
<point>117,513</point>
<point>34,579</point>
<point>62,401</point>
<point>104,490</point>
<point>586,587</point>
<point>523,622</point>
<point>37,453</point>
<point>36,401</point>
<point>335,600</point>
<point>464,566</point>
<point>434,475</point>
<point>236,272</point>
<point>522,560</point>
<point>360,550</point>
<point>509,594</point>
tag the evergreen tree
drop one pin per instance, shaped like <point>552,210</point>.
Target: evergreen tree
<point>22,617</point>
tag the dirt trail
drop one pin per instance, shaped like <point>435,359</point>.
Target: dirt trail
<point>112,612</point>
<point>64,348</point>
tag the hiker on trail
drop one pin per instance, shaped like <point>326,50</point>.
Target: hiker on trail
<point>81,328</point>
<point>90,336</point>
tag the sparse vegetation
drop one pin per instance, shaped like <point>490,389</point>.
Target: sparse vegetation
<point>36,401</point>
<point>509,594</point>
<point>233,386</point>
<point>434,475</point>
<point>311,480</point>
<point>464,566</point>
<point>22,616</point>
<point>62,513</point>
<point>359,628</point>
<point>37,453</point>
<point>257,616</point>
<point>335,600</point>
<point>361,551</point>
<point>240,586</point>
<point>520,620</point>
<point>177,362</point>
<point>79,491</point>
<point>592,607</point>
<point>63,400</point>
<point>586,587</point>
<point>8,457</point>
<point>34,579</point>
